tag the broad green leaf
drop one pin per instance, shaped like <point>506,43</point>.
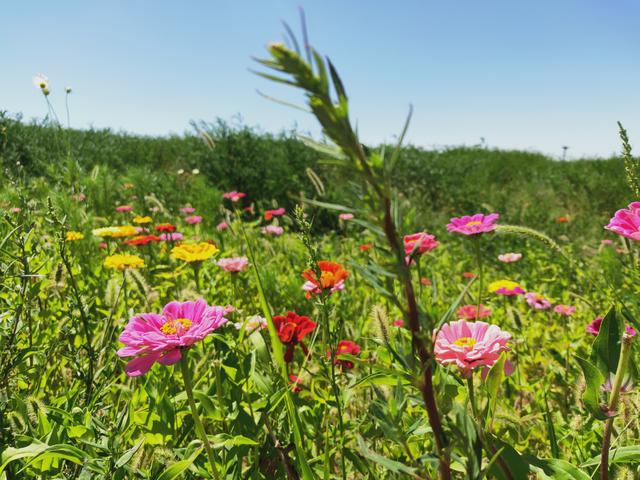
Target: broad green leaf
<point>628,454</point>
<point>128,455</point>
<point>591,396</point>
<point>173,471</point>
<point>391,465</point>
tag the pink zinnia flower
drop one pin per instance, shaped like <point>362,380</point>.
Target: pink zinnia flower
<point>152,337</point>
<point>470,345</point>
<point>474,224</point>
<point>419,243</point>
<point>233,264</point>
<point>565,310</point>
<point>346,216</point>
<point>15,210</point>
<point>124,208</point>
<point>471,312</point>
<point>193,219</point>
<point>187,209</point>
<point>234,196</point>
<point>607,242</point>
<point>398,322</point>
<point>468,275</point>
<point>222,226</point>
<point>594,328</point>
<point>537,301</point>
<point>274,230</point>
<point>269,214</point>
<point>103,246</point>
<point>509,257</point>
<point>171,237</point>
<point>626,222</point>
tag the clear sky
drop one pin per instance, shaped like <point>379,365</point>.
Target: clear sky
<point>527,74</point>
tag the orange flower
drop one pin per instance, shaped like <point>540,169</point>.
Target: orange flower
<point>332,277</point>
<point>365,247</point>
<point>563,219</point>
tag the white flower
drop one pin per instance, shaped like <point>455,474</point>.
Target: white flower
<point>195,171</point>
<point>509,257</point>
<point>254,323</point>
<point>41,82</point>
<point>181,171</point>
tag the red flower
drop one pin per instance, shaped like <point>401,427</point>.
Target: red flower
<point>296,382</point>
<point>563,219</point>
<point>142,240</point>
<point>292,328</point>
<point>345,347</point>
<point>269,214</point>
<point>332,277</point>
<point>165,227</point>
<point>365,247</point>
<point>469,275</point>
<point>425,281</point>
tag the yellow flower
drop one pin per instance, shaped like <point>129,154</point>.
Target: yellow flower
<point>194,252</point>
<point>73,236</point>
<point>139,219</point>
<point>116,232</point>
<point>124,261</point>
<point>506,284</point>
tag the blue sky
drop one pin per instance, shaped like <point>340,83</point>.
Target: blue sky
<point>522,74</point>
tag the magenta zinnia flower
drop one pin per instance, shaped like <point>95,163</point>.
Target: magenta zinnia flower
<point>471,312</point>
<point>470,345</point>
<point>626,222</point>
<point>193,219</point>
<point>171,237</point>
<point>187,209</point>
<point>346,216</point>
<point>474,224</point>
<point>222,226</point>
<point>419,243</point>
<point>565,310</point>
<point>152,337</point>
<point>234,196</point>
<point>537,301</point>
<point>233,264</point>
<point>124,208</point>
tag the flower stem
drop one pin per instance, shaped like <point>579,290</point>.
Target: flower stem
<point>479,262</point>
<point>472,398</point>
<point>186,376</point>
<point>623,361</point>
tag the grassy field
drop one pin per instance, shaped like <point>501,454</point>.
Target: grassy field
<point>233,304</point>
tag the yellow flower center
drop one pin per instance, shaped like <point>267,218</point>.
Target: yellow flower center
<point>465,342</point>
<point>475,222</point>
<point>178,326</point>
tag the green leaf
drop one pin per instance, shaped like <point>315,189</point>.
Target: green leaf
<point>128,455</point>
<point>493,382</point>
<point>179,467</point>
<point>605,350</point>
<point>591,396</point>
<point>557,469</point>
<point>391,465</point>
<point>629,454</point>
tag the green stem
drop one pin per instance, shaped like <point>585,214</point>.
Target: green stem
<point>186,376</point>
<point>623,361</point>
<point>479,262</point>
<point>472,398</point>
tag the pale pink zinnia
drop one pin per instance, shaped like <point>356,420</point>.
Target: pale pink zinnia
<point>274,230</point>
<point>509,257</point>
<point>171,237</point>
<point>234,196</point>
<point>565,310</point>
<point>187,209</point>
<point>537,301</point>
<point>470,345</point>
<point>607,241</point>
<point>472,312</point>
<point>233,264</point>
<point>153,337</point>
<point>124,208</point>
<point>193,219</point>
<point>473,224</point>
<point>15,210</point>
<point>222,226</point>
<point>626,222</point>
<point>346,216</point>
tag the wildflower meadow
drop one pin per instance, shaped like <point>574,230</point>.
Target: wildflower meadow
<point>319,321</point>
